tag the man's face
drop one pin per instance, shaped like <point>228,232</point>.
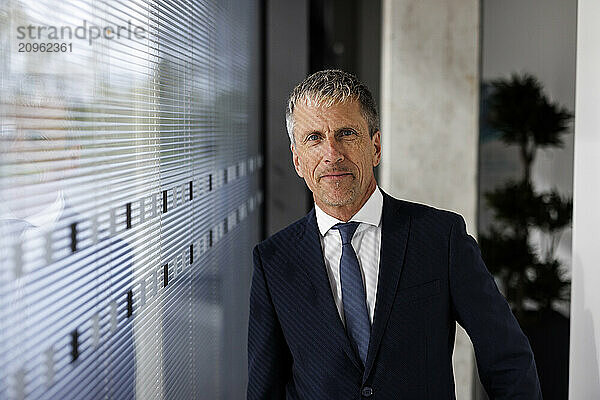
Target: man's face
<point>335,154</point>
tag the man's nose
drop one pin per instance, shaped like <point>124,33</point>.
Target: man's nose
<point>333,153</point>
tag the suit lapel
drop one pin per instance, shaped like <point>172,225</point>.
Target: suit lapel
<point>311,260</point>
<point>394,237</point>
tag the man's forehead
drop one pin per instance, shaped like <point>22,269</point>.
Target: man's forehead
<point>319,113</point>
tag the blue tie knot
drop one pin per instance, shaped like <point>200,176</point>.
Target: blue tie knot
<point>346,231</point>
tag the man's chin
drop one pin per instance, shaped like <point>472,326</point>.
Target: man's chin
<point>338,199</point>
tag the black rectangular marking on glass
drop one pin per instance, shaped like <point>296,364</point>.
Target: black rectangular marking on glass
<point>74,237</point>
<point>237,216</point>
<point>74,345</point>
<point>209,182</point>
<point>237,170</point>
<point>191,254</point>
<point>210,238</point>
<point>225,176</point>
<point>191,190</point>
<point>129,303</point>
<point>165,275</point>
<point>164,201</point>
<point>128,215</point>
<point>226,228</point>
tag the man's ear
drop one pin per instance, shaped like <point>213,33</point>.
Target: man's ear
<point>376,141</point>
<point>296,161</point>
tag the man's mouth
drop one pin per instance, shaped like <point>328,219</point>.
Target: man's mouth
<point>336,176</point>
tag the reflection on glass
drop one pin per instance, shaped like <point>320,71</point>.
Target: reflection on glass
<point>128,198</point>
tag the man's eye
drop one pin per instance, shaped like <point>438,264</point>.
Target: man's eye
<point>347,132</point>
<point>314,136</point>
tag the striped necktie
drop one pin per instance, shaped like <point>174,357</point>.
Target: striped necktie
<point>354,298</point>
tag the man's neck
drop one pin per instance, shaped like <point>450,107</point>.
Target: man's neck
<point>344,213</point>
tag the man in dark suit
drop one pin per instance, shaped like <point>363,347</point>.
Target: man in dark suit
<point>359,299</point>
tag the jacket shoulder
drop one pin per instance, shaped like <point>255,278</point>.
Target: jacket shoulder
<point>426,213</point>
<point>282,239</point>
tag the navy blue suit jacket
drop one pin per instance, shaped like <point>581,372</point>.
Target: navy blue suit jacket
<point>431,274</point>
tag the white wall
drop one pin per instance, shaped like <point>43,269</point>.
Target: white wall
<point>584,377</point>
<point>429,116</point>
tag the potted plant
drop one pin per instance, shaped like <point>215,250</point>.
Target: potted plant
<point>531,277</point>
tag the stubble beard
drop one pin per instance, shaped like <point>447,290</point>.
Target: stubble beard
<point>347,197</point>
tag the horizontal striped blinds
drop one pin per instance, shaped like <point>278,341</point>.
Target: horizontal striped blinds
<point>130,197</point>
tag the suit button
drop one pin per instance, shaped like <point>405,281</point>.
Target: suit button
<point>367,391</point>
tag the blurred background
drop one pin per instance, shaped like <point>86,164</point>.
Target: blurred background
<point>144,154</point>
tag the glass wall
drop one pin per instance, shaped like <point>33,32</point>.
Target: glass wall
<point>129,197</point>
<point>528,55</point>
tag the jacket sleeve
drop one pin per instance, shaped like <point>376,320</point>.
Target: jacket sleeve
<point>269,358</point>
<point>504,358</point>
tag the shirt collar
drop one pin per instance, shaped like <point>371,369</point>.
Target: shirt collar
<point>370,213</point>
<point>48,217</point>
<point>45,218</point>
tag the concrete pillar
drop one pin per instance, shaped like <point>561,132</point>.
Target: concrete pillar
<point>429,110</point>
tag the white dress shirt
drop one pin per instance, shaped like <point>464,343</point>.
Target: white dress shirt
<point>45,218</point>
<point>366,243</point>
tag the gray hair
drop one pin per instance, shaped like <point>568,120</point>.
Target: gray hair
<point>327,87</point>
